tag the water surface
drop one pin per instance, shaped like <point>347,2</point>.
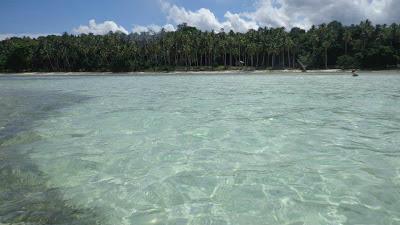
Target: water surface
<point>204,149</point>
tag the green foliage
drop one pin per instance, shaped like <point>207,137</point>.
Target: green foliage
<point>2,62</point>
<point>19,59</point>
<point>325,46</point>
<point>347,62</point>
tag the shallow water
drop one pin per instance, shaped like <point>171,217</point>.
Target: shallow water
<point>200,149</point>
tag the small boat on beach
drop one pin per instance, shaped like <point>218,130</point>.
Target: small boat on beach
<point>354,74</point>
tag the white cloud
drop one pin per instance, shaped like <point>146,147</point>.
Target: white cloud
<point>31,35</point>
<point>152,28</point>
<point>100,29</point>
<point>237,23</point>
<point>304,13</point>
<point>204,19</point>
<point>287,13</point>
<point>169,27</point>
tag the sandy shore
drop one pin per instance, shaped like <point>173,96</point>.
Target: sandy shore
<point>266,72</point>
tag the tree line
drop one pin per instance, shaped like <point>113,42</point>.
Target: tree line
<point>331,45</point>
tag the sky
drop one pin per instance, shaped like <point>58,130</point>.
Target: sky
<point>42,17</point>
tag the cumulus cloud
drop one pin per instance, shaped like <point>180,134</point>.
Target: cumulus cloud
<point>287,13</point>
<point>304,13</point>
<point>237,23</point>
<point>31,35</point>
<point>204,19</point>
<point>152,28</point>
<point>99,29</point>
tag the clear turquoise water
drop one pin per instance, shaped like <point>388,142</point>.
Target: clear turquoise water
<point>229,149</point>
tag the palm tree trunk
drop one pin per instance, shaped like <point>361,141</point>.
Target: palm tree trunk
<point>230,59</point>
<point>294,60</point>
<point>263,60</point>
<point>258,58</point>
<point>326,58</point>
<point>273,60</point>
<point>225,56</point>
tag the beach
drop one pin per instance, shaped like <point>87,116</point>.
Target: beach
<point>254,72</point>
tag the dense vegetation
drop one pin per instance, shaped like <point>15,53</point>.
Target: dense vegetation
<point>325,46</point>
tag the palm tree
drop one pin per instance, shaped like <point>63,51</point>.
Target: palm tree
<point>326,44</point>
<point>289,46</point>
<point>327,37</point>
<point>366,32</point>
<point>347,38</point>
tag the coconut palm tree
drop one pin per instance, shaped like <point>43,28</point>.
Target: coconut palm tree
<point>347,38</point>
<point>366,32</point>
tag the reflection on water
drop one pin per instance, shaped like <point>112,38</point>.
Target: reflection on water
<point>200,150</point>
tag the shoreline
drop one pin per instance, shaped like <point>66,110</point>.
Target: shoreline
<point>209,72</point>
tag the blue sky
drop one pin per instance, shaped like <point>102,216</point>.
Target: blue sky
<point>45,16</point>
<point>56,16</point>
<point>32,17</point>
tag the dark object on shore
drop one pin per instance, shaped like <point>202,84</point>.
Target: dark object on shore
<point>354,74</point>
